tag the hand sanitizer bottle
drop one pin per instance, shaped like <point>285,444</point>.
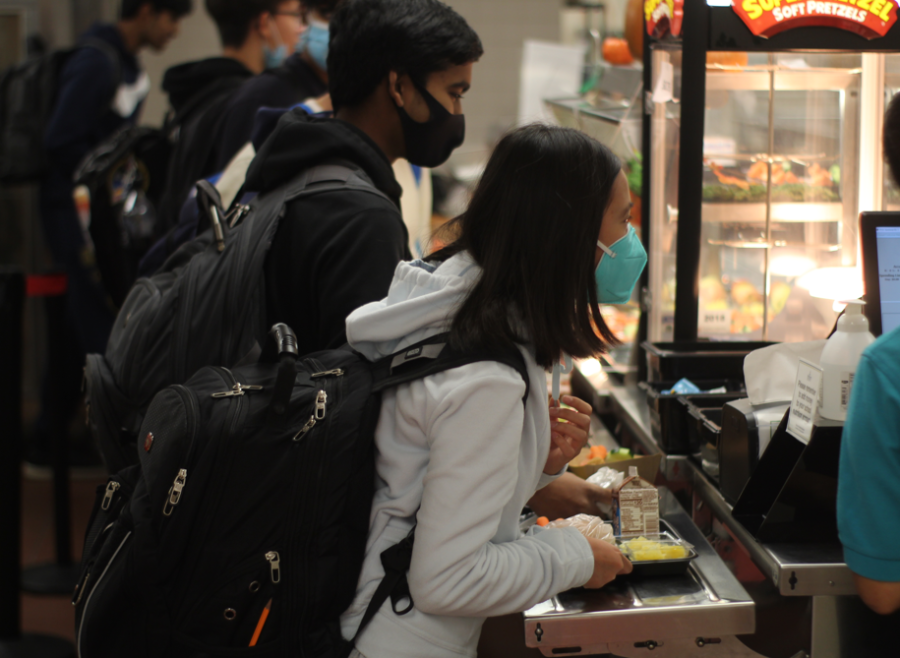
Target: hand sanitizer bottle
<point>840,358</point>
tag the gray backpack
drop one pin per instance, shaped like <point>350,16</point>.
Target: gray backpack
<point>204,307</point>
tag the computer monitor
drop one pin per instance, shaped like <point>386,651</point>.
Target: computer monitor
<point>880,236</point>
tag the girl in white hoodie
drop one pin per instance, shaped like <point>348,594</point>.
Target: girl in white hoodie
<point>545,238</point>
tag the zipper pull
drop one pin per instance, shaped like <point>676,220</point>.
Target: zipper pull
<point>111,490</point>
<point>275,566</point>
<point>175,492</point>
<point>239,211</point>
<point>237,390</point>
<point>320,405</point>
<point>305,429</point>
<point>337,372</point>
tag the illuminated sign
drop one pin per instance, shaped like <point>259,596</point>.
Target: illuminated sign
<point>867,18</point>
<point>663,17</point>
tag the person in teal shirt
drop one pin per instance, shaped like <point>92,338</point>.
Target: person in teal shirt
<point>868,506</point>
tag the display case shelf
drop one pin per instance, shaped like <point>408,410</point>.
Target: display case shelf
<point>757,79</point>
<point>749,213</point>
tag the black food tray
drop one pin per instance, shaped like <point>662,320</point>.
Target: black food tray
<point>698,359</point>
<point>669,417</point>
<point>704,418</point>
<point>674,567</point>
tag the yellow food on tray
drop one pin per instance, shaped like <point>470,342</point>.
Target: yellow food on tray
<point>643,549</point>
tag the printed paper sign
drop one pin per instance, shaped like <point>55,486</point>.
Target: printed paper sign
<point>868,18</point>
<point>805,404</point>
<point>662,91</point>
<point>714,321</point>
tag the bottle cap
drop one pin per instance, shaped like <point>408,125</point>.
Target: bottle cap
<point>852,320</point>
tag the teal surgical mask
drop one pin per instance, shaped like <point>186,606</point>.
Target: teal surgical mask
<point>274,57</point>
<point>619,268</point>
<point>314,41</point>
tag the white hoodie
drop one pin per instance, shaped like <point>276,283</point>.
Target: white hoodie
<point>460,455</point>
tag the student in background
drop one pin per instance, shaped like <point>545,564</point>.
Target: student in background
<point>301,78</point>
<point>101,88</point>
<point>255,35</point>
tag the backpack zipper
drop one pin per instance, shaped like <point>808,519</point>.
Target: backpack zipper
<point>111,490</point>
<point>318,414</point>
<point>337,372</point>
<point>204,514</point>
<point>310,513</point>
<point>175,490</point>
<point>274,566</point>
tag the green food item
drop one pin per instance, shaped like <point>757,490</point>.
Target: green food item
<point>634,173</point>
<point>755,193</point>
<point>718,193</point>
<point>835,172</point>
<point>801,192</point>
<point>620,454</point>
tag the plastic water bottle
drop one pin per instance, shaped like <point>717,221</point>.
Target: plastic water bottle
<point>840,358</point>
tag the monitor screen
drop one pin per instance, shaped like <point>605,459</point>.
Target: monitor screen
<point>887,240</point>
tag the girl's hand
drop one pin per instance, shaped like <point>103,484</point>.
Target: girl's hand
<point>609,562</point>
<point>567,438</point>
<point>567,496</point>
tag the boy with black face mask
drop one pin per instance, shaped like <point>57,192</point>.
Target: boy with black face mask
<point>397,70</point>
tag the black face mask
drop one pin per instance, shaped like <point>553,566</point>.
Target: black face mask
<point>429,144</point>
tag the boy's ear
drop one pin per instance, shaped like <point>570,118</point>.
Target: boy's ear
<point>263,24</point>
<point>395,88</point>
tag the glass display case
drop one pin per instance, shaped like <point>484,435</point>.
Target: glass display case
<point>762,154</point>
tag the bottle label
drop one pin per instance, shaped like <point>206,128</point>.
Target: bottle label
<point>846,385</point>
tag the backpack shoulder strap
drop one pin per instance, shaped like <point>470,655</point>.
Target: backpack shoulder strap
<point>434,355</point>
<point>336,175</point>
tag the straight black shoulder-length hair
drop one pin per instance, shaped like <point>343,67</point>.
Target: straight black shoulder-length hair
<point>532,225</point>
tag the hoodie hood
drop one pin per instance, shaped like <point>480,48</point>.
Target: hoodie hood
<point>421,302</point>
<point>300,141</point>
<point>111,34</point>
<point>183,81</point>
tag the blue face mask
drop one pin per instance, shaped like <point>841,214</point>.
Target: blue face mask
<point>620,268</point>
<point>274,58</point>
<point>315,42</point>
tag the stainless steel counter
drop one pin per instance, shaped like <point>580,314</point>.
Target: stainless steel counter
<point>795,569</point>
<point>672,616</point>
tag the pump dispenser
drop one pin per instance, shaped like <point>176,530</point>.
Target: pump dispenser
<point>840,358</point>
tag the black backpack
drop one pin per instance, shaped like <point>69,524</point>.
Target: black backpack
<point>245,522</point>
<point>205,306</point>
<point>129,176</point>
<point>27,97</point>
